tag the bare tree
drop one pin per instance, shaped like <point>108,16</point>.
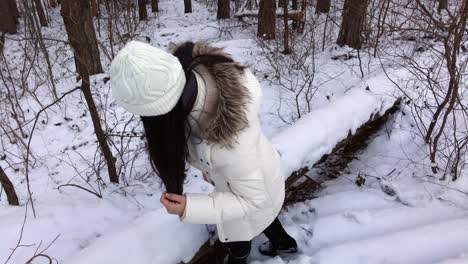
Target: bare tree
<point>53,3</point>
<point>8,187</point>
<point>142,12</point>
<point>80,29</point>
<point>443,4</point>
<point>437,79</point>
<point>40,12</point>
<point>287,49</point>
<point>78,23</point>
<point>452,35</point>
<point>354,14</point>
<point>187,6</point>
<point>8,16</point>
<point>295,6</point>
<point>266,19</point>
<point>223,9</point>
<point>110,23</point>
<point>94,8</point>
<point>323,6</point>
<point>154,6</point>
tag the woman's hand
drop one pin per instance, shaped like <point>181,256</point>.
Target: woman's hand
<point>174,203</point>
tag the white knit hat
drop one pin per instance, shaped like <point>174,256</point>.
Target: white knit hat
<point>145,80</point>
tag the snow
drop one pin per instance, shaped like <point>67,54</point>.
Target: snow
<point>425,221</point>
<point>147,240</point>
<point>317,133</point>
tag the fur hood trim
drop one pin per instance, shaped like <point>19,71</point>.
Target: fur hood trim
<point>233,97</point>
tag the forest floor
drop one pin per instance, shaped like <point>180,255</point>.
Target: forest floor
<point>401,214</point>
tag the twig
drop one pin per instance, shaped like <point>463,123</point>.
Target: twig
<point>39,255</point>
<point>80,187</point>
<point>20,236</point>
<point>30,138</point>
<point>453,189</point>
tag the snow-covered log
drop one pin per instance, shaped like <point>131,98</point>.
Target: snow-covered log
<point>318,133</point>
<point>302,184</point>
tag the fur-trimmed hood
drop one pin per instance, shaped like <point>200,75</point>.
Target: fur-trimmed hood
<point>228,115</point>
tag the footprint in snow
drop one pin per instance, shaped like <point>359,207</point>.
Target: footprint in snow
<point>305,216</point>
<point>358,217</point>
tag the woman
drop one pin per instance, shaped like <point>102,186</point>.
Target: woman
<point>200,105</point>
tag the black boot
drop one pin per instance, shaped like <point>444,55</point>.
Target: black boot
<point>235,260</point>
<point>268,249</point>
<point>280,241</point>
<point>238,252</point>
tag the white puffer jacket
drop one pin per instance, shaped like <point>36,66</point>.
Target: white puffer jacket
<point>249,185</point>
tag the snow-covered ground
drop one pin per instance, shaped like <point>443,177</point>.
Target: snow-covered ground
<point>400,215</point>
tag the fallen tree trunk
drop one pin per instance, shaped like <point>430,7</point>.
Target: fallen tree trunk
<point>303,183</point>
<point>295,16</point>
<point>300,186</point>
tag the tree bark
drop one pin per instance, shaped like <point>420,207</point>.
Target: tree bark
<point>323,6</point>
<point>354,14</point>
<point>14,9</point>
<point>142,13</point>
<point>154,6</point>
<point>2,42</point>
<point>188,6</point>
<point>101,137</point>
<point>94,8</point>
<point>8,20</point>
<point>287,49</point>
<point>8,187</point>
<point>443,4</point>
<point>223,9</point>
<point>40,13</point>
<point>110,29</point>
<point>266,19</point>
<point>295,7</point>
<point>79,25</point>
<point>53,3</point>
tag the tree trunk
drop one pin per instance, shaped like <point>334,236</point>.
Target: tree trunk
<point>354,14</point>
<point>8,20</point>
<point>237,5</point>
<point>40,13</point>
<point>295,7</point>
<point>287,49</point>
<point>79,25</point>
<point>154,6</point>
<point>323,6</point>
<point>94,8</point>
<point>101,137</point>
<point>53,3</point>
<point>188,6</point>
<point>223,9</point>
<point>8,187</point>
<point>267,19</point>
<point>142,13</point>
<point>14,9</point>
<point>110,29</point>
<point>2,42</point>
<point>443,4</point>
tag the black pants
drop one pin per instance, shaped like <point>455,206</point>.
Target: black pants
<point>239,251</point>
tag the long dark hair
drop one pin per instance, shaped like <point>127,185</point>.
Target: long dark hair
<point>167,135</point>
